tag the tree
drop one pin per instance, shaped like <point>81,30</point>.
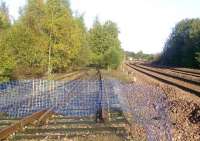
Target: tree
<point>84,56</point>
<point>46,37</point>
<point>103,41</point>
<point>183,44</point>
<point>113,58</point>
<point>65,34</point>
<point>28,41</point>
<point>27,48</point>
<point>4,17</point>
<point>7,61</point>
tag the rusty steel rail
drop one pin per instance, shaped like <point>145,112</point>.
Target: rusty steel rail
<point>36,117</point>
<point>45,116</point>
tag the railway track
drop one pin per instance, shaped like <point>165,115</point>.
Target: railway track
<point>59,127</point>
<point>170,73</point>
<point>194,72</point>
<point>46,124</point>
<point>192,86</point>
<point>10,126</point>
<point>187,72</point>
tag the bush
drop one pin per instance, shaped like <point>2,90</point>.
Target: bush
<point>113,58</point>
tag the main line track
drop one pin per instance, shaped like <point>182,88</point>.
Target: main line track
<point>184,84</point>
<point>169,73</point>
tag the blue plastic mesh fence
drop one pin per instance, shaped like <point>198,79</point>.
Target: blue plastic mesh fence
<point>74,98</point>
<point>79,98</point>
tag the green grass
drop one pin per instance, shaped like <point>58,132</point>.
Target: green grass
<point>117,74</point>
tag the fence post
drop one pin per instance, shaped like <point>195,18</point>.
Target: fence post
<point>99,114</point>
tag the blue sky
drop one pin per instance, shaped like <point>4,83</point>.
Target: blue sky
<point>144,24</point>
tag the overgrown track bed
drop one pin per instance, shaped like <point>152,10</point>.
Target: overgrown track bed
<point>19,125</point>
<point>184,83</point>
<point>10,125</point>
<point>71,109</point>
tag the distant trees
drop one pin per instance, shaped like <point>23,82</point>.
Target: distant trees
<point>48,38</point>
<point>140,55</point>
<point>183,46</point>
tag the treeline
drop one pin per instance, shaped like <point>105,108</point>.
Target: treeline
<point>140,56</point>
<point>182,49</point>
<point>47,38</point>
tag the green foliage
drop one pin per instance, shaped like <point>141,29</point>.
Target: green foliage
<point>7,61</point>
<point>4,17</point>
<point>48,38</point>
<point>65,34</point>
<point>113,57</point>
<point>183,44</point>
<point>46,34</point>
<point>140,56</point>
<point>53,36</point>
<point>198,57</point>
<point>28,41</point>
<point>27,48</point>
<point>103,41</point>
<point>84,56</point>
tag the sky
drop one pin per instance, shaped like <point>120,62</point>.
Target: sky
<point>144,24</point>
